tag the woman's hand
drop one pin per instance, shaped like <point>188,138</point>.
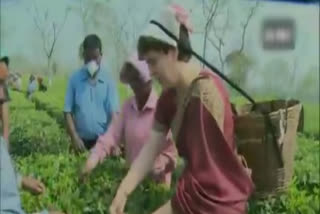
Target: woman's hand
<point>119,202</point>
<point>90,164</point>
<point>139,170</point>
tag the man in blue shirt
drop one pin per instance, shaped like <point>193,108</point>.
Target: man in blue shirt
<point>91,97</point>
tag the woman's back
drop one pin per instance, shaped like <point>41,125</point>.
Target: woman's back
<point>214,180</point>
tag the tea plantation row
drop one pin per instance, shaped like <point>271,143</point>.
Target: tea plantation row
<point>39,145</point>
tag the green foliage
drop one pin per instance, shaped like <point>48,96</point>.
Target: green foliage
<point>307,174</point>
<point>303,195</point>
<point>60,175</point>
<point>34,131</point>
<point>19,102</point>
<point>39,146</point>
<point>52,105</point>
<point>312,120</point>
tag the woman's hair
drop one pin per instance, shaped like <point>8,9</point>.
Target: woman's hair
<point>6,60</point>
<point>147,43</point>
<point>91,41</point>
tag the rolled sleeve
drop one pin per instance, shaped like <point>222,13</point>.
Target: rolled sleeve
<point>69,97</point>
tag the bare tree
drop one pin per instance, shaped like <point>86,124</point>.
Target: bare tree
<point>132,27</point>
<point>49,31</point>
<point>217,40</point>
<point>124,32</point>
<point>209,17</point>
<point>93,13</point>
<point>55,67</point>
<point>245,25</point>
<point>82,9</point>
<point>128,32</point>
<point>215,35</point>
<point>96,16</point>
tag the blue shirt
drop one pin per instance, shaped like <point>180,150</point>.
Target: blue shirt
<point>91,105</point>
<point>9,197</point>
<point>32,87</point>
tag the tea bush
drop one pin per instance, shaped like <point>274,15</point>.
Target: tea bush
<point>60,175</point>
<point>39,145</point>
<point>33,131</point>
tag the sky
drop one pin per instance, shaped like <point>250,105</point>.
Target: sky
<point>23,39</point>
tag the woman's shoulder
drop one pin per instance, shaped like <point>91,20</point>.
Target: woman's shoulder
<point>207,81</point>
<point>202,84</point>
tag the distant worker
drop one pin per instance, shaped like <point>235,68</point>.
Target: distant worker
<point>42,86</point>
<point>15,81</point>
<point>32,86</point>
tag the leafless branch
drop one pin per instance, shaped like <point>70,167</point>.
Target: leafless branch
<point>36,20</point>
<point>204,7</point>
<point>212,13</point>
<point>245,26</point>
<point>226,24</point>
<point>49,30</point>
<point>213,43</point>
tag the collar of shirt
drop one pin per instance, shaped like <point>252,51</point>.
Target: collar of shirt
<point>150,104</point>
<point>99,75</point>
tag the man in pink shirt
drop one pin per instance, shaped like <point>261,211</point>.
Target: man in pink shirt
<point>133,126</point>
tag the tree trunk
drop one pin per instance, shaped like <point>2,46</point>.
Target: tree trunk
<point>50,73</point>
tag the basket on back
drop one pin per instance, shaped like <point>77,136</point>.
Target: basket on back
<point>266,137</point>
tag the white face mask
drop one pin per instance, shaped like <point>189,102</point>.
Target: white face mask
<point>92,67</point>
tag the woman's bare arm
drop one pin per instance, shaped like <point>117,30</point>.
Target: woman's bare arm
<point>143,164</point>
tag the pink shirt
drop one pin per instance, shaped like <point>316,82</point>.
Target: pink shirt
<point>133,127</point>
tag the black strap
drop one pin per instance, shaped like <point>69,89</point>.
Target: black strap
<point>231,83</point>
<point>214,69</point>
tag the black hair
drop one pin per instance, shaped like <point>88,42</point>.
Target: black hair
<point>91,41</point>
<point>6,60</point>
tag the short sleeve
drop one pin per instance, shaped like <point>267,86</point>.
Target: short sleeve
<point>112,98</point>
<point>165,110</point>
<point>69,97</point>
<point>4,94</point>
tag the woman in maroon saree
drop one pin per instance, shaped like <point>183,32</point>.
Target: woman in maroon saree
<point>195,106</point>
